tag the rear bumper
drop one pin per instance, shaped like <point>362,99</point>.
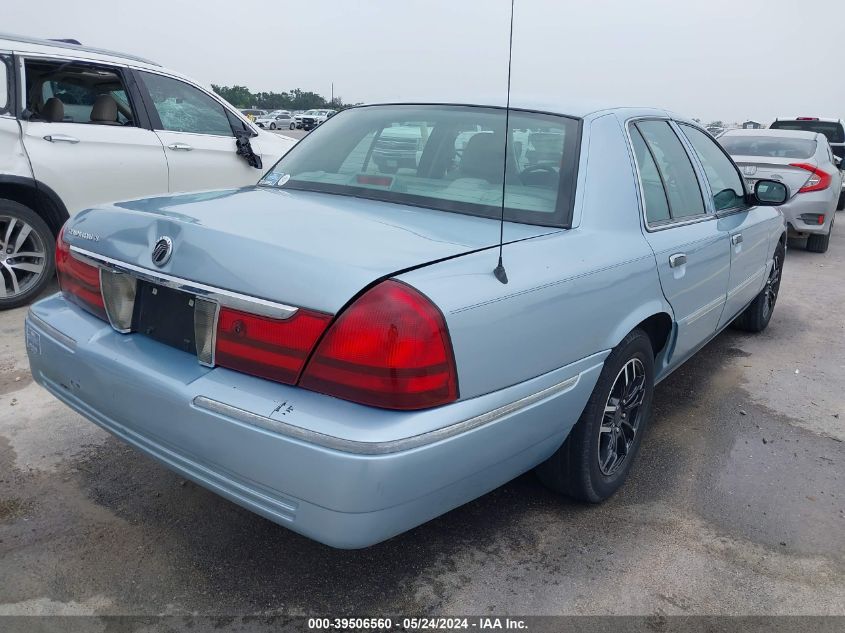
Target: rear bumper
<point>815,204</point>
<point>343,474</point>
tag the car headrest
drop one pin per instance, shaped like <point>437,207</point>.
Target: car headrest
<point>104,110</point>
<point>483,157</point>
<point>53,110</point>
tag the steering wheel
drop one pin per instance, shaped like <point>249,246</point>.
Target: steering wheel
<point>538,174</point>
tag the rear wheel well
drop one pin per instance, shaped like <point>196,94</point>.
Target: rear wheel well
<point>48,206</point>
<point>658,327</point>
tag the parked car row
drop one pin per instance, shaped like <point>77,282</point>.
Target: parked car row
<point>285,119</point>
<point>310,119</point>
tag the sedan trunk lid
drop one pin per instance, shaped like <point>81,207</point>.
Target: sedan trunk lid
<point>756,168</point>
<point>304,249</point>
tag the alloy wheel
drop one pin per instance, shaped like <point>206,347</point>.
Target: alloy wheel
<point>23,257</point>
<point>622,415</point>
<point>772,286</point>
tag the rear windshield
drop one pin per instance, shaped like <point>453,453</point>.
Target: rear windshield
<point>768,146</point>
<point>833,131</point>
<point>450,158</point>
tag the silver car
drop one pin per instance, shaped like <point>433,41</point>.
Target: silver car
<point>805,163</point>
<point>277,119</point>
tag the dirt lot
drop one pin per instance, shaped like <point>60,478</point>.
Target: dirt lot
<point>736,506</point>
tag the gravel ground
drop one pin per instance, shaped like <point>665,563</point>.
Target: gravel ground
<point>736,506</point>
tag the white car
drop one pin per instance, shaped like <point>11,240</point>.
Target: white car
<point>276,120</point>
<point>80,127</point>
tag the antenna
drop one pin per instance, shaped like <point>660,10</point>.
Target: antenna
<point>499,271</point>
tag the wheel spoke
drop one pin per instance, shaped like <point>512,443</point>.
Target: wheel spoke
<point>605,429</point>
<point>14,278</point>
<point>610,461</point>
<point>627,425</point>
<point>27,267</point>
<point>22,235</point>
<point>636,388</point>
<point>9,229</point>
<point>29,254</point>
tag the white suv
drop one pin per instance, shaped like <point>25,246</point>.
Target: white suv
<point>82,126</point>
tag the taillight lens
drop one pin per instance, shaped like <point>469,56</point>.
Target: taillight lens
<point>819,179</point>
<point>389,349</point>
<point>80,282</point>
<point>269,348</point>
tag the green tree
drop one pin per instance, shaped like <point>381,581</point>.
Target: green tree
<point>238,96</point>
<point>296,99</point>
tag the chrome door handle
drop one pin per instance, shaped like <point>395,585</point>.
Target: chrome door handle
<point>678,259</point>
<point>183,146</point>
<point>61,138</point>
<point>736,239</point>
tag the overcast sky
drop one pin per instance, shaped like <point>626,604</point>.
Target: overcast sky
<point>710,59</point>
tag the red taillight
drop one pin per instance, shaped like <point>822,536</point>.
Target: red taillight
<point>389,349</point>
<point>807,118</point>
<point>819,180</point>
<point>80,282</point>
<point>269,348</point>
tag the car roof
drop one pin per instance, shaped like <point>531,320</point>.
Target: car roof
<point>775,133</point>
<point>578,109</point>
<point>37,45</point>
<point>809,119</point>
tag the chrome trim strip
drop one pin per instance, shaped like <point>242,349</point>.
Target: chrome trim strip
<point>695,316</point>
<point>227,298</point>
<point>381,448</point>
<point>752,278</point>
<point>52,332</point>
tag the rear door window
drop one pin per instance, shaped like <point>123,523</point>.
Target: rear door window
<point>726,186</point>
<point>654,193</point>
<point>184,108</point>
<point>78,87</point>
<point>675,168</point>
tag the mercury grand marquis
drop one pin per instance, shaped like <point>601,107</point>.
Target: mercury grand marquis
<point>351,348</point>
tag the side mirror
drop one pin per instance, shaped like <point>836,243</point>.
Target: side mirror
<point>771,193</point>
<point>837,161</point>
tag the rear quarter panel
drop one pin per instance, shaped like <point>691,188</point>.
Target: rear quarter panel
<point>571,294</point>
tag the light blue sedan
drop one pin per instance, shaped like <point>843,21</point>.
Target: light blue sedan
<point>346,350</point>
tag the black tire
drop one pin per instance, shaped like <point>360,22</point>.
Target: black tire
<point>819,242</point>
<point>272,126</point>
<point>575,469</point>
<point>38,238</point>
<point>292,126</point>
<point>756,317</point>
<point>840,206</point>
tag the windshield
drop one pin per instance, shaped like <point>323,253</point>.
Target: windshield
<point>768,146</point>
<point>449,158</point>
<point>832,130</point>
